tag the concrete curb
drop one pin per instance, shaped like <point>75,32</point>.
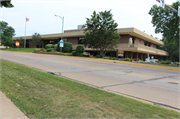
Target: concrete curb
<point>103,60</point>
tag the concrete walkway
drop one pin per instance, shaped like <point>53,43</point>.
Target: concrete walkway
<point>8,110</point>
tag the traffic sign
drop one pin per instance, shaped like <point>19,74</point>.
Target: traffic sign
<point>61,43</point>
<point>17,44</point>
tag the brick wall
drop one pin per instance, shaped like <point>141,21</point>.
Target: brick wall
<point>73,40</point>
<point>124,39</point>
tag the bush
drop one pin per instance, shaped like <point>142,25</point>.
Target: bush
<point>163,62</point>
<point>106,57</point>
<point>67,47</point>
<point>74,53</point>
<point>55,46</point>
<point>80,49</point>
<point>131,60</point>
<point>81,54</point>
<point>127,59</point>
<point>49,46</point>
<point>49,50</point>
<point>77,53</point>
<point>135,59</point>
<point>53,50</point>
<point>97,56</point>
<point>101,56</point>
<point>168,62</point>
<point>114,58</point>
<point>110,58</point>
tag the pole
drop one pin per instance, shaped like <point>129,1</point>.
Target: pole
<point>25,35</point>
<point>62,34</point>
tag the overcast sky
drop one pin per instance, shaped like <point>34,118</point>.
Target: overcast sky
<point>127,13</point>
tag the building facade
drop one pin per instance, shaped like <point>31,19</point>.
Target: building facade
<point>134,43</point>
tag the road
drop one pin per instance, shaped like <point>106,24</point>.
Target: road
<point>151,85</point>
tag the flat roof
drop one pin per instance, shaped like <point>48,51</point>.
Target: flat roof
<point>80,33</point>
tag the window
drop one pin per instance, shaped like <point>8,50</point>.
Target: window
<point>130,41</point>
<point>145,43</point>
<point>80,40</point>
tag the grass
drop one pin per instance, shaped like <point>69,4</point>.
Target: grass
<point>42,95</point>
<point>20,49</point>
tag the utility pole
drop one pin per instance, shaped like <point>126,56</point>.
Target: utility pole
<point>174,10</point>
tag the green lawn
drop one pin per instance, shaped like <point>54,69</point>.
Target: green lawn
<point>42,95</point>
<point>20,49</point>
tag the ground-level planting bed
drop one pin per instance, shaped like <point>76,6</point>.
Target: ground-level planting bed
<point>41,95</point>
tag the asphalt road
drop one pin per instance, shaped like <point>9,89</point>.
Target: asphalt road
<point>156,86</point>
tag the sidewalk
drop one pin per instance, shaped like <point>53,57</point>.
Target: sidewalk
<point>8,110</point>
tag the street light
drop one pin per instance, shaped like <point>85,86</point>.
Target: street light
<point>62,31</point>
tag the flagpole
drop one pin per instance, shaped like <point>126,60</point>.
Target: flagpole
<point>25,35</point>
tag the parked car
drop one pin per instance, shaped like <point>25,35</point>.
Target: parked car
<point>154,60</point>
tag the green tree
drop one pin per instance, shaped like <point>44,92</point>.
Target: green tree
<point>101,32</point>
<point>36,39</point>
<point>171,49</point>
<point>7,32</point>
<point>167,22</point>
<point>6,3</point>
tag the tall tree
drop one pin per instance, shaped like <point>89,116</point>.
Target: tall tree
<point>36,39</point>
<point>167,22</point>
<point>7,32</point>
<point>6,3</point>
<point>101,32</point>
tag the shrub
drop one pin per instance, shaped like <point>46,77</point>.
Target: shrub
<point>81,54</point>
<point>114,58</point>
<point>80,49</point>
<point>131,60</point>
<point>49,46</point>
<point>140,61</point>
<point>74,53</point>
<point>49,50</point>
<point>163,62</point>
<point>101,56</point>
<point>53,50</point>
<point>67,47</point>
<point>55,46</point>
<point>44,50</point>
<point>97,56</point>
<point>127,59</point>
<point>135,59</point>
<point>168,62</point>
<point>110,58</point>
<point>106,57</point>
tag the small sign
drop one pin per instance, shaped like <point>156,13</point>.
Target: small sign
<point>61,43</point>
<point>120,53</point>
<point>179,11</point>
<point>17,44</point>
<point>0,43</point>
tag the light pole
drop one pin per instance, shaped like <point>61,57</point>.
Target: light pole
<point>62,31</point>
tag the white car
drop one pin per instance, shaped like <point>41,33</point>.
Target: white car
<point>154,60</point>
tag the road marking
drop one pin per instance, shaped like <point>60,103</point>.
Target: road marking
<point>99,68</point>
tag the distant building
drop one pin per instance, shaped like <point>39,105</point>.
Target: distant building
<point>134,43</point>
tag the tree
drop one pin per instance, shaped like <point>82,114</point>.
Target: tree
<point>36,39</point>
<point>6,3</point>
<point>171,49</point>
<point>7,32</point>
<point>167,22</point>
<point>101,32</point>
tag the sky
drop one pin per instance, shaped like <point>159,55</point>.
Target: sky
<point>127,13</point>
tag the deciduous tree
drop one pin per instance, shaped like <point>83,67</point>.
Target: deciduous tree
<point>7,32</point>
<point>36,39</point>
<point>101,32</point>
<point>6,3</point>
